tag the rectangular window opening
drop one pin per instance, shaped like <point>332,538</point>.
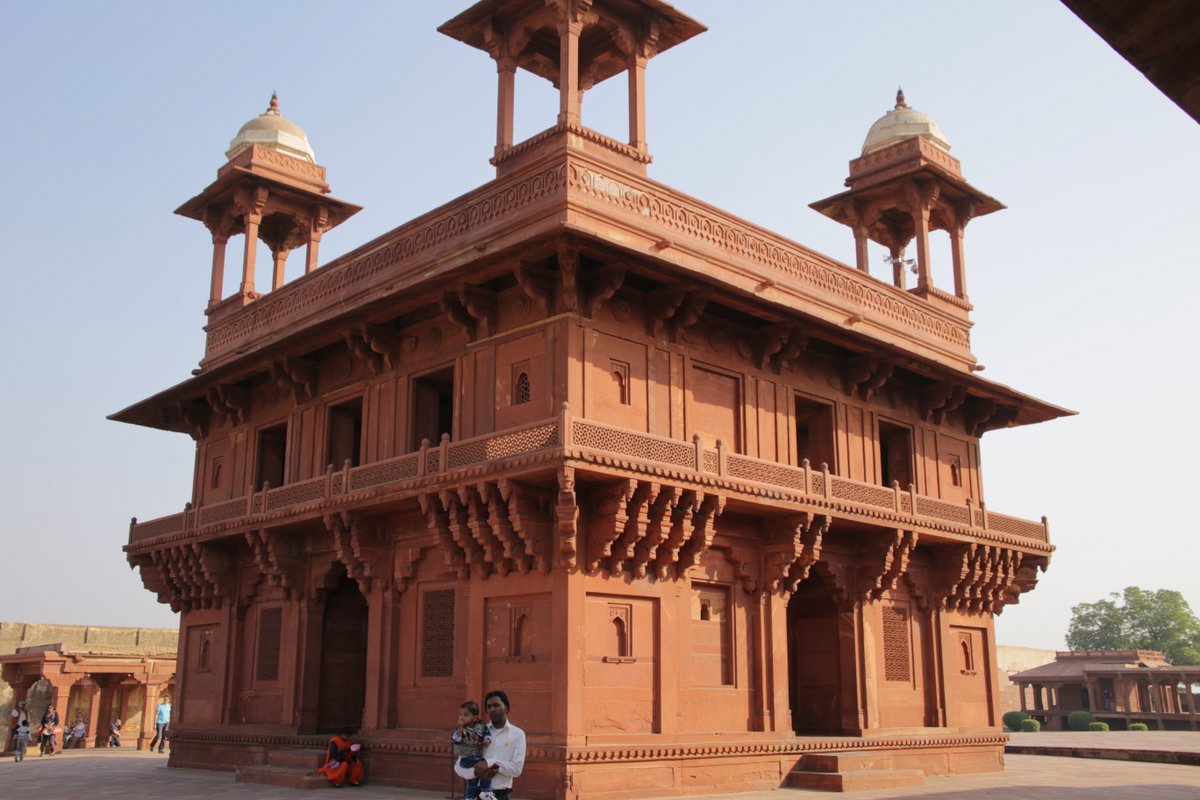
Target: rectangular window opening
<point>272,456</point>
<point>895,454</point>
<point>814,433</point>
<point>345,433</point>
<point>433,406</point>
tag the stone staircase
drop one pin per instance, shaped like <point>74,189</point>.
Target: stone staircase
<point>851,771</point>
<point>292,768</point>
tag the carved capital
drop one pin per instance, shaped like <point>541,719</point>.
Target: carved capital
<point>866,375</point>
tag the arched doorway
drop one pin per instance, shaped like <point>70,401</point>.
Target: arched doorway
<point>814,662</point>
<point>343,659</point>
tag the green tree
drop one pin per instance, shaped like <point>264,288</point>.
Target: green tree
<point>1138,620</point>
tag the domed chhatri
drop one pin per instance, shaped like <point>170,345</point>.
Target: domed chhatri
<point>274,130</point>
<point>902,123</point>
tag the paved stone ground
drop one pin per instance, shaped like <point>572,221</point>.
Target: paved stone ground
<point>89,775</point>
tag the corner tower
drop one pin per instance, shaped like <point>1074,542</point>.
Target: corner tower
<point>271,188</point>
<point>904,185</point>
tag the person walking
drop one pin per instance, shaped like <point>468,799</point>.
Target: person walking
<point>162,719</point>
<point>47,743</point>
<point>21,737</point>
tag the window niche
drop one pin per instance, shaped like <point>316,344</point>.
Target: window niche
<point>895,454</point>
<point>344,434</point>
<point>711,635</point>
<point>270,636</point>
<point>521,390</point>
<point>619,649</point>
<point>521,647</point>
<point>432,406</point>
<point>204,647</point>
<point>619,371</point>
<point>437,633</point>
<point>897,650</point>
<point>814,433</point>
<point>272,456</point>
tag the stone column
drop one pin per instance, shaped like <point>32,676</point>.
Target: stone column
<point>506,73</point>
<point>956,255</point>
<point>280,258</point>
<point>637,100</point>
<point>249,252</point>
<point>216,288</point>
<point>93,715</point>
<point>102,711</point>
<point>899,279</point>
<point>851,657</point>
<point>309,629</point>
<point>316,229</point>
<point>569,96</point>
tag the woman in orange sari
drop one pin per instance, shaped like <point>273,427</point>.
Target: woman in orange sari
<point>341,760</point>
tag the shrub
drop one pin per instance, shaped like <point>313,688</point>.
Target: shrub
<point>1012,719</point>
<point>1138,726</point>
<point>1030,726</point>
<point>1097,726</point>
<point>1079,720</point>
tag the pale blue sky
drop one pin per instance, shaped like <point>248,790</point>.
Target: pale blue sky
<point>1083,289</point>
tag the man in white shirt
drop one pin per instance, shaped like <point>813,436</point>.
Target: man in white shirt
<point>504,758</point>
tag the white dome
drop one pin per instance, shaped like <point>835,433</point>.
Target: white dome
<point>902,123</point>
<point>274,130</point>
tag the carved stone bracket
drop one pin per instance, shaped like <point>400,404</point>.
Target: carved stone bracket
<point>187,416</point>
<point>941,399</point>
<point>529,513</point>
<point>882,563</point>
<point>566,518</point>
<point>866,375</point>
<point>692,528</point>
<point>472,308</point>
<point>188,576</point>
<point>985,414</point>
<point>229,401</point>
<point>600,286</point>
<point>792,546</point>
<point>492,526</point>
<point>568,274</point>
<point>978,578</point>
<point>362,547</point>
<point>280,559</point>
<point>376,347</point>
<point>673,309</point>
<point>295,375</point>
<point>537,283</point>
<point>780,346</point>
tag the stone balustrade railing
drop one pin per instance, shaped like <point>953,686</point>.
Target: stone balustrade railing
<point>590,441</point>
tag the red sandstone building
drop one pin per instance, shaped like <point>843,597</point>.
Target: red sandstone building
<point>703,501</point>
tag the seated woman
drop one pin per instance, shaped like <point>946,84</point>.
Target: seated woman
<point>341,760</point>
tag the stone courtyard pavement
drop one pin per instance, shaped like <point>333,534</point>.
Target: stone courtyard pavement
<point>90,775</point>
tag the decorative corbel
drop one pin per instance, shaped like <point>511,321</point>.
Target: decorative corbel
<point>793,545</point>
<point>675,309</point>
<point>566,518</point>
<point>601,285</point>
<point>781,345</point>
<point>866,375</point>
<point>438,523</point>
<point>638,512</point>
<point>228,400</point>
<point>473,308</point>
<point>986,414</point>
<point>703,529</point>
<point>658,527</point>
<point>568,273</point>
<point>881,563</point>
<point>295,375</point>
<point>537,283</point>
<point>529,512</point>
<point>939,400</point>
<point>608,508</point>
<point>279,559</point>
